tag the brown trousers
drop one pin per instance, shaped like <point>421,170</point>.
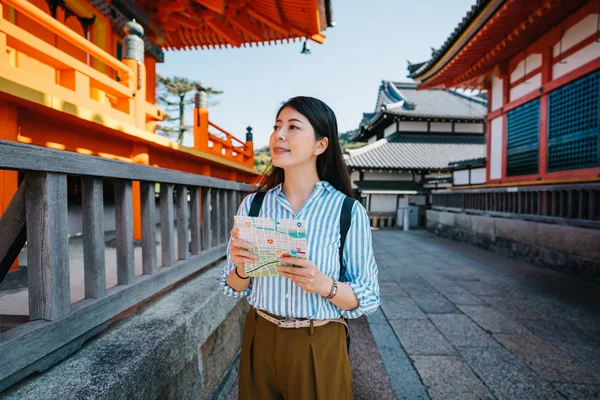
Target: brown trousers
<point>289,363</point>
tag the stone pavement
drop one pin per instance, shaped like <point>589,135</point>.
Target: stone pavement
<point>458,322</point>
<point>469,324</point>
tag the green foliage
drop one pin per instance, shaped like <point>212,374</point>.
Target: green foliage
<point>262,156</point>
<point>176,94</point>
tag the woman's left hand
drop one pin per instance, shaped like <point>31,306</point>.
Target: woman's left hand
<point>306,275</point>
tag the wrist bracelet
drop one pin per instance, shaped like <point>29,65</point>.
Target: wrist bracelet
<point>239,276</point>
<point>333,291</point>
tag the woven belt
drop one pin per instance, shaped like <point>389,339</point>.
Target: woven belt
<point>298,323</point>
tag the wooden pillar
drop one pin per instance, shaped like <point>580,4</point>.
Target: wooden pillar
<point>9,180</point>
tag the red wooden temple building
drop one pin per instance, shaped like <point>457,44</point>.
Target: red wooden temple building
<point>64,70</point>
<point>539,62</point>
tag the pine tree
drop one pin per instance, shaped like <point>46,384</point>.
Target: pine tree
<point>175,94</point>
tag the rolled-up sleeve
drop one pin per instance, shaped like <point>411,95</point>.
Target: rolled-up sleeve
<point>361,271</point>
<point>244,209</point>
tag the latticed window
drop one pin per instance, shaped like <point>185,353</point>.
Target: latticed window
<point>574,125</point>
<point>522,139</point>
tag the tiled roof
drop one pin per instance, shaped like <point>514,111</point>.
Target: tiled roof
<point>417,151</point>
<point>402,98</point>
<point>418,68</point>
<point>468,162</point>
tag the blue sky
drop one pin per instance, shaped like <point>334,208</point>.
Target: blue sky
<point>369,43</point>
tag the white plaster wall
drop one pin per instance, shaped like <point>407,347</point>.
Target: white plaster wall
<point>576,33</point>
<point>383,202</point>
<point>497,92</point>
<point>354,176</point>
<point>477,176</point>
<point>413,126</point>
<point>441,127</point>
<point>533,61</point>
<point>497,136</point>
<point>372,139</point>
<point>461,177</point>
<point>468,128</point>
<point>524,88</point>
<point>387,176</point>
<point>389,130</point>
<point>576,60</point>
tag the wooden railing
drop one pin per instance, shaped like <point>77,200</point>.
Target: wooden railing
<point>74,81</point>
<point>576,204</point>
<point>203,209</point>
<point>224,143</point>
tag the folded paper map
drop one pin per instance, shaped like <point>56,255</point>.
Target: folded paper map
<point>272,238</point>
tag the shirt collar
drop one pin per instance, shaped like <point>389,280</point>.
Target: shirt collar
<point>320,185</point>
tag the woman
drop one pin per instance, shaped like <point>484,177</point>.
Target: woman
<point>308,181</point>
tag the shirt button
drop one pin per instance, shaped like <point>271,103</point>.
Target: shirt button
<point>287,295</point>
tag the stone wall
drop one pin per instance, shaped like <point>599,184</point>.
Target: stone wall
<point>567,248</point>
<point>177,346</point>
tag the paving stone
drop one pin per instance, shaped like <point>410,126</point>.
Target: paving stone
<point>547,360</point>
<point>421,337</point>
<point>521,307</point>
<point>403,377</point>
<point>492,320</point>
<point>586,351</point>
<point>391,288</point>
<point>506,376</point>
<point>450,378</point>
<point>434,303</point>
<point>464,298</point>
<point>461,331</point>
<point>480,288</point>
<point>398,307</point>
<point>573,391</point>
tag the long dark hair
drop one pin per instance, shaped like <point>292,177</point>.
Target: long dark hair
<point>331,166</point>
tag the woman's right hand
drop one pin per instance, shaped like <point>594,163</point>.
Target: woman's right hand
<point>238,252</point>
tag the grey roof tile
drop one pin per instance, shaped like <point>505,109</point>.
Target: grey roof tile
<point>417,151</point>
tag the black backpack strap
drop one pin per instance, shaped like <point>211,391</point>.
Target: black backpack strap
<point>345,219</point>
<point>256,204</point>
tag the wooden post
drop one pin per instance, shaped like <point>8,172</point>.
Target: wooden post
<point>183,238</point>
<point>93,238</point>
<point>215,217</point>
<point>166,225</point>
<point>195,220</point>
<point>47,246</point>
<point>224,215</point>
<point>124,225</point>
<point>206,218</point>
<point>149,263</point>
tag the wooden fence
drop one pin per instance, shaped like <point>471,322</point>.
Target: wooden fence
<point>202,206</point>
<point>575,204</point>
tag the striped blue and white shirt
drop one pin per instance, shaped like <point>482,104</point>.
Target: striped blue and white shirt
<point>321,211</point>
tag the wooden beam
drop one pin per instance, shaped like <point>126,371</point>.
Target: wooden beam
<point>231,36</point>
<point>217,6</point>
<point>284,28</point>
<point>242,22</point>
